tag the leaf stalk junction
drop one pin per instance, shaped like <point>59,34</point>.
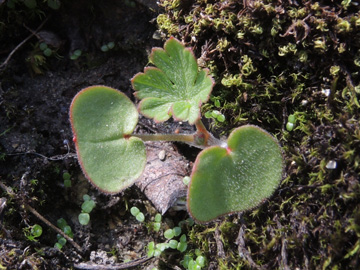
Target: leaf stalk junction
<point>200,139</point>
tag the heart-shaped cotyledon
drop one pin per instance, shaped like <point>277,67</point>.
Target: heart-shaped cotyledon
<point>102,120</point>
<point>237,177</point>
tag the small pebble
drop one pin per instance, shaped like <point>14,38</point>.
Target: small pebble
<point>331,165</point>
<point>304,102</point>
<point>162,155</point>
<point>326,92</point>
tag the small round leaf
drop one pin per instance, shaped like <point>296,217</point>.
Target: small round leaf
<point>84,219</point>
<point>291,118</point>
<point>236,178</point>
<point>134,211</point>
<point>168,234</point>
<point>140,217</point>
<point>88,206</point>
<point>67,230</point>
<point>156,226</point>
<point>182,247</point>
<point>36,230</point>
<point>290,126</point>
<point>173,244</point>
<point>61,223</point>
<point>58,246</point>
<point>62,241</point>
<point>177,231</point>
<point>102,120</point>
<point>158,217</point>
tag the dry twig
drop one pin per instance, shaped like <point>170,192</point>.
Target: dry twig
<point>39,216</point>
<point>4,64</point>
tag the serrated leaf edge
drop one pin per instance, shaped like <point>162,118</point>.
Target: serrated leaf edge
<point>170,112</point>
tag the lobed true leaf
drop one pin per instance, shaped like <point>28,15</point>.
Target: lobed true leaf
<point>175,87</point>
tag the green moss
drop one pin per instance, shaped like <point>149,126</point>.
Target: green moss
<point>270,60</point>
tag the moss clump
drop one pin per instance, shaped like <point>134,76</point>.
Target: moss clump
<point>271,59</point>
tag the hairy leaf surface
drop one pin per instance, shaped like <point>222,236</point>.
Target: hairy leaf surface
<point>175,87</point>
<point>236,178</point>
<point>101,119</point>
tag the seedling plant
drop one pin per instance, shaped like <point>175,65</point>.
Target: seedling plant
<point>33,232</point>
<point>61,241</point>
<point>227,176</point>
<point>137,214</point>
<point>67,179</point>
<point>175,239</point>
<point>86,208</point>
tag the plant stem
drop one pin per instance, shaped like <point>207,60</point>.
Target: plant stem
<point>200,139</point>
<point>206,137</point>
<point>187,138</point>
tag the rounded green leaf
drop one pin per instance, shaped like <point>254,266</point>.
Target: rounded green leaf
<point>111,45</point>
<point>61,223</point>
<point>236,178</point>
<point>290,126</point>
<point>104,48</point>
<point>43,46</point>
<point>67,230</point>
<point>158,217</point>
<point>291,118</point>
<point>169,234</point>
<point>87,206</point>
<point>156,226</point>
<point>177,231</point>
<point>173,244</point>
<point>140,217</point>
<point>58,246</point>
<point>182,246</point>
<point>36,230</point>
<point>162,246</point>
<point>151,249</point>
<point>66,176</point>
<point>200,260</point>
<point>102,119</point>
<point>134,211</point>
<point>67,183</point>
<point>62,241</point>
<point>47,52</point>
<point>175,87</point>
<point>183,238</point>
<point>84,218</point>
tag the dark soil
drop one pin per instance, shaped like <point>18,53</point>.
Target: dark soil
<point>269,59</point>
<point>36,139</point>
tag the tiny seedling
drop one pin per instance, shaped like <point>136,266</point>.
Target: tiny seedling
<point>180,244</point>
<point>174,239</point>
<point>33,232</point>
<point>86,208</point>
<point>137,214</point>
<point>67,179</point>
<point>215,115</point>
<point>194,264</point>
<point>76,54</point>
<point>61,241</point>
<point>228,176</point>
<point>45,49</point>
<point>156,225</point>
<point>291,122</point>
<point>107,47</point>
